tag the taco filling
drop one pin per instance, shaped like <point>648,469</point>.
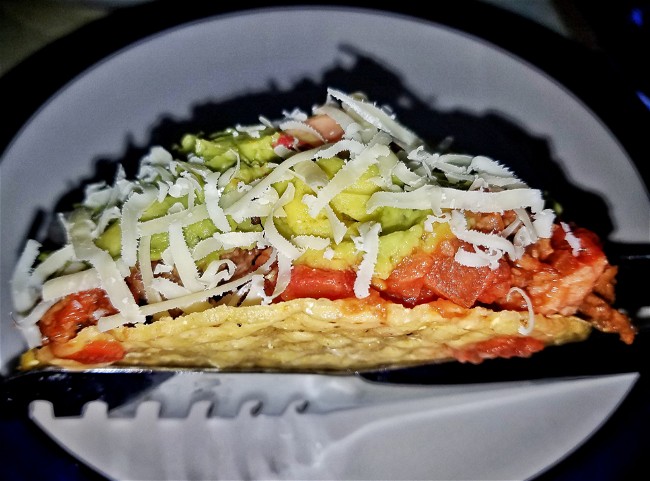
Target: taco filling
<point>330,240</point>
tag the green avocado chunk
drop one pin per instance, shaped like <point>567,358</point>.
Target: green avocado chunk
<point>220,153</point>
<point>402,230</point>
<point>222,149</point>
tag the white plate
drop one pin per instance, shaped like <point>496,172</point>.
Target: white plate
<point>118,102</point>
<point>502,431</point>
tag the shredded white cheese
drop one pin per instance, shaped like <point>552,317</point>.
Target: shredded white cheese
<point>56,261</point>
<point>212,195</point>
<point>146,272</point>
<point>283,276</point>
<point>339,229</point>
<point>64,285</point>
<point>183,217</point>
<point>271,234</point>
<point>183,260</point>
<point>530,325</point>
<point>80,233</point>
<point>348,175</point>
<point>133,208</point>
<point>23,294</point>
<point>369,244</point>
<point>168,288</point>
<point>484,202</point>
<point>406,178</point>
<point>492,242</point>
<point>427,197</point>
<point>311,242</point>
<point>28,325</point>
<point>275,176</point>
<point>301,130</point>
<point>571,239</point>
<point>377,117</point>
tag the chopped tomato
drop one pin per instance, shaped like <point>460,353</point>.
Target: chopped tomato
<point>98,352</point>
<point>566,259</point>
<point>504,346</point>
<point>319,283</point>
<point>66,318</point>
<point>423,277</point>
<point>406,282</point>
<point>462,284</point>
<point>326,126</point>
<point>286,140</point>
<point>497,283</point>
<point>74,312</point>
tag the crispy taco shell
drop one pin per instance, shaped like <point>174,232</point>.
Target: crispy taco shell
<point>324,335</point>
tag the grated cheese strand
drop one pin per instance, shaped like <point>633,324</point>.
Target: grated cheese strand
<point>275,176</point>
<point>485,202</point>
<point>369,243</point>
<point>146,273</point>
<point>423,198</point>
<point>183,260</point>
<point>530,325</point>
<point>212,197</point>
<point>56,261</point>
<point>571,239</point>
<point>284,275</point>
<point>80,233</point>
<point>339,229</point>
<point>70,283</point>
<point>168,289</point>
<point>493,242</point>
<point>23,294</point>
<point>133,208</point>
<point>378,118</point>
<point>271,234</point>
<point>28,325</point>
<point>184,217</point>
<point>346,176</point>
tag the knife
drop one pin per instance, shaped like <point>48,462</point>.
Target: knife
<point>122,389</point>
<point>359,430</point>
<point>601,354</point>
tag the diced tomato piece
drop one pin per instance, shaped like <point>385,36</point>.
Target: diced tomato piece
<point>497,283</point>
<point>456,282</point>
<point>98,352</point>
<point>504,346</point>
<point>319,283</point>
<point>406,282</point>
<point>74,312</point>
<point>290,142</point>
<point>423,277</point>
<point>326,126</point>
<point>590,251</point>
<point>285,140</point>
<point>66,318</point>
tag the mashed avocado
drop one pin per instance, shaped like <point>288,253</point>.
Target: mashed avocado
<point>221,150</point>
<point>393,248</point>
<point>402,230</point>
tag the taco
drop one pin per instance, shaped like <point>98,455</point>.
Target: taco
<point>331,240</point>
